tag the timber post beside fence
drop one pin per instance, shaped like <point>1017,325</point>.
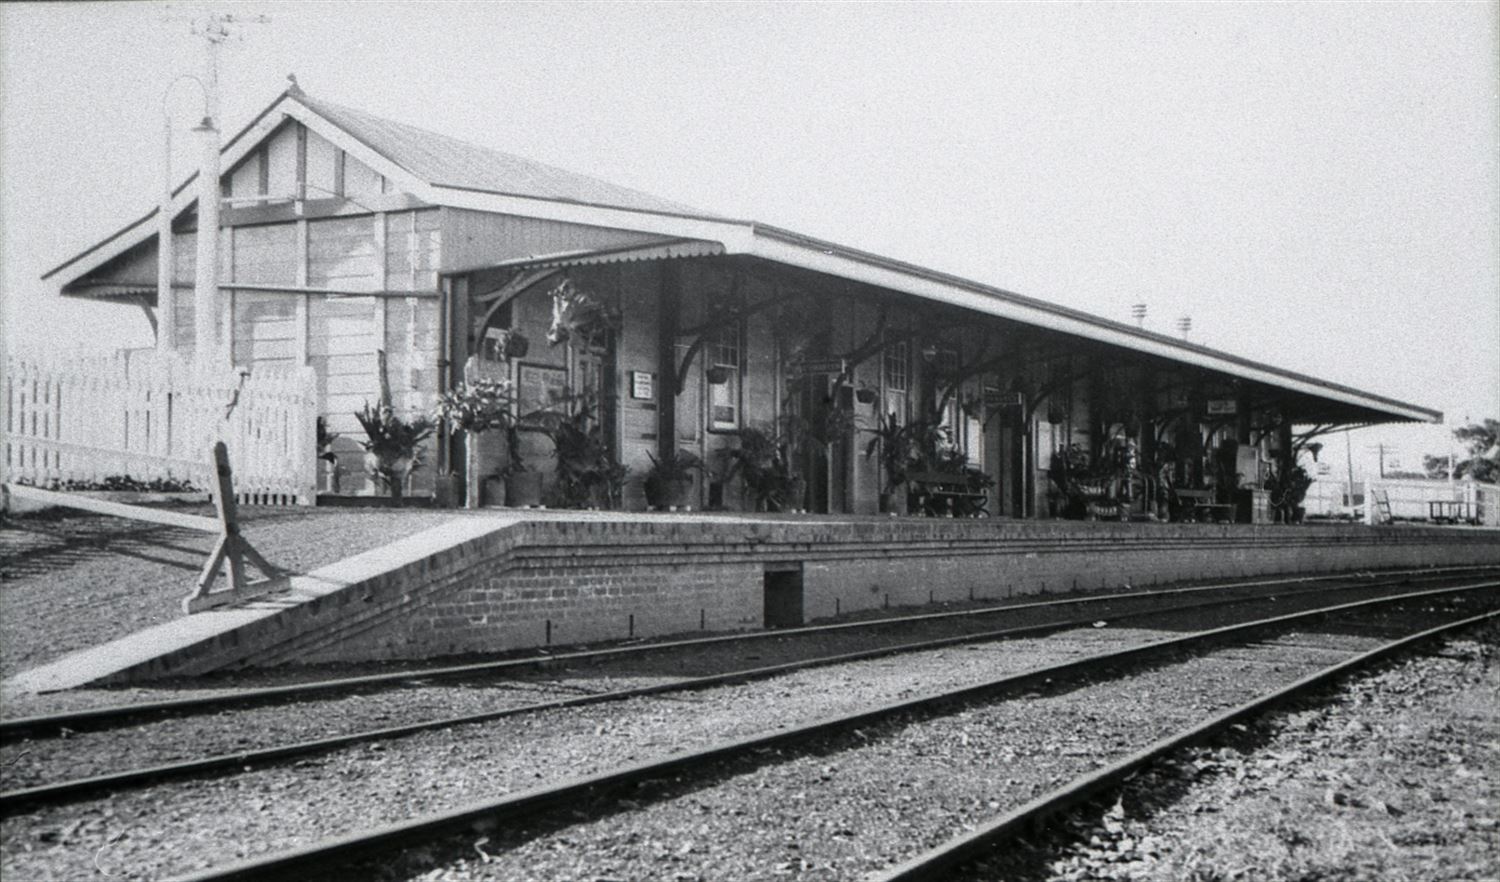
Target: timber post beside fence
<point>230,552</point>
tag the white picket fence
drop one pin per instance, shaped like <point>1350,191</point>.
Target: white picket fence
<point>150,415</point>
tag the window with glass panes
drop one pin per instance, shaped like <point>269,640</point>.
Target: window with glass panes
<point>724,360</point>
<point>897,362</point>
<point>946,367</point>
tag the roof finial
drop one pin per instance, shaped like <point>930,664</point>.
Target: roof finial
<point>293,89</point>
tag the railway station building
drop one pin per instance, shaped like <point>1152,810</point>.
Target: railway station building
<point>801,374</point>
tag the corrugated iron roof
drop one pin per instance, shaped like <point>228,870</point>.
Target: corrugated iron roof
<point>656,251</point>
<point>446,161</point>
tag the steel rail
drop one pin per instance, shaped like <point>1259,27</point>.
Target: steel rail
<point>60,791</point>
<point>938,862</point>
<point>362,844</point>
<point>18,727</point>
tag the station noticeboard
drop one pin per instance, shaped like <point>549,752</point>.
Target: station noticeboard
<point>818,366</point>
<point>642,385</point>
<point>997,398</point>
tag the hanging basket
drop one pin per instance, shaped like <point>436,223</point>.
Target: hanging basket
<point>516,345</point>
<point>864,396</point>
<point>718,375</point>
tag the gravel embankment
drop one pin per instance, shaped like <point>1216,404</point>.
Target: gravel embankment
<point>1392,777</point>
<point>953,772</point>
<point>71,580</point>
<point>28,763</point>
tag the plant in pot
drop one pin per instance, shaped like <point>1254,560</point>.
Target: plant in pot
<point>512,344</point>
<point>892,443</point>
<point>393,446</point>
<point>587,474</point>
<point>669,484</point>
<point>718,375</point>
<point>473,409</point>
<point>762,463</point>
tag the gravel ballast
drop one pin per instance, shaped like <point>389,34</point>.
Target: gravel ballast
<point>86,753</point>
<point>856,805</point>
<point>172,828</point>
<point>1391,777</point>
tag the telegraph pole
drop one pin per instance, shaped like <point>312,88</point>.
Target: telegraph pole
<point>214,29</point>
<point>206,277</point>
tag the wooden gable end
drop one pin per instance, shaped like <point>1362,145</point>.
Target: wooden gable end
<point>296,163</point>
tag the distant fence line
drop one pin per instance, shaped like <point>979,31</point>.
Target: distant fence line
<point>1409,497</point>
<point>150,415</point>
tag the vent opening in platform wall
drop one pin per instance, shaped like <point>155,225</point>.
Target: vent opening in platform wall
<point>783,595</point>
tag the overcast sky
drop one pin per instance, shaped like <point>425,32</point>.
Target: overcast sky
<point>1314,184</point>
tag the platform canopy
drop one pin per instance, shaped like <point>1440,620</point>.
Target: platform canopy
<point>436,170</point>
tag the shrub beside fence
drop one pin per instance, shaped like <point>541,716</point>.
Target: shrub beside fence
<point>152,415</point>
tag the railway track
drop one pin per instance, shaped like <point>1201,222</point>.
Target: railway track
<point>941,862</point>
<point>69,722</point>
<point>108,778</point>
<point>526,826</point>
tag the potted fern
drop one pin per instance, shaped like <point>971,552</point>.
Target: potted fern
<point>669,484</point>
<point>393,446</point>
<point>763,462</point>
<point>587,474</point>
<point>892,442</point>
<point>473,409</point>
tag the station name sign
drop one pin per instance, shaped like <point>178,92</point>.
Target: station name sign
<point>819,366</point>
<point>998,398</point>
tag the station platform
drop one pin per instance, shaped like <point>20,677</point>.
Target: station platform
<point>520,579</point>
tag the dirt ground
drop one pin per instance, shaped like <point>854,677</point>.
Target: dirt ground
<point>71,580</point>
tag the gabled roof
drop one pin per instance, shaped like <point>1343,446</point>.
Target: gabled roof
<point>444,171</point>
<point>449,162</point>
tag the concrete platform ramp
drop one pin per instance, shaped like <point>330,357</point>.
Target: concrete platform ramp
<point>527,579</point>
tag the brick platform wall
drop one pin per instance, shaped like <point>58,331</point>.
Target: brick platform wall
<point>570,583</point>
<point>488,586</point>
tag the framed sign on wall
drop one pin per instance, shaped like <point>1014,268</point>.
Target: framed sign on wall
<point>642,385</point>
<point>540,387</point>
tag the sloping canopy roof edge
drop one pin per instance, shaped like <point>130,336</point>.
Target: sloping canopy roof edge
<point>787,247</point>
